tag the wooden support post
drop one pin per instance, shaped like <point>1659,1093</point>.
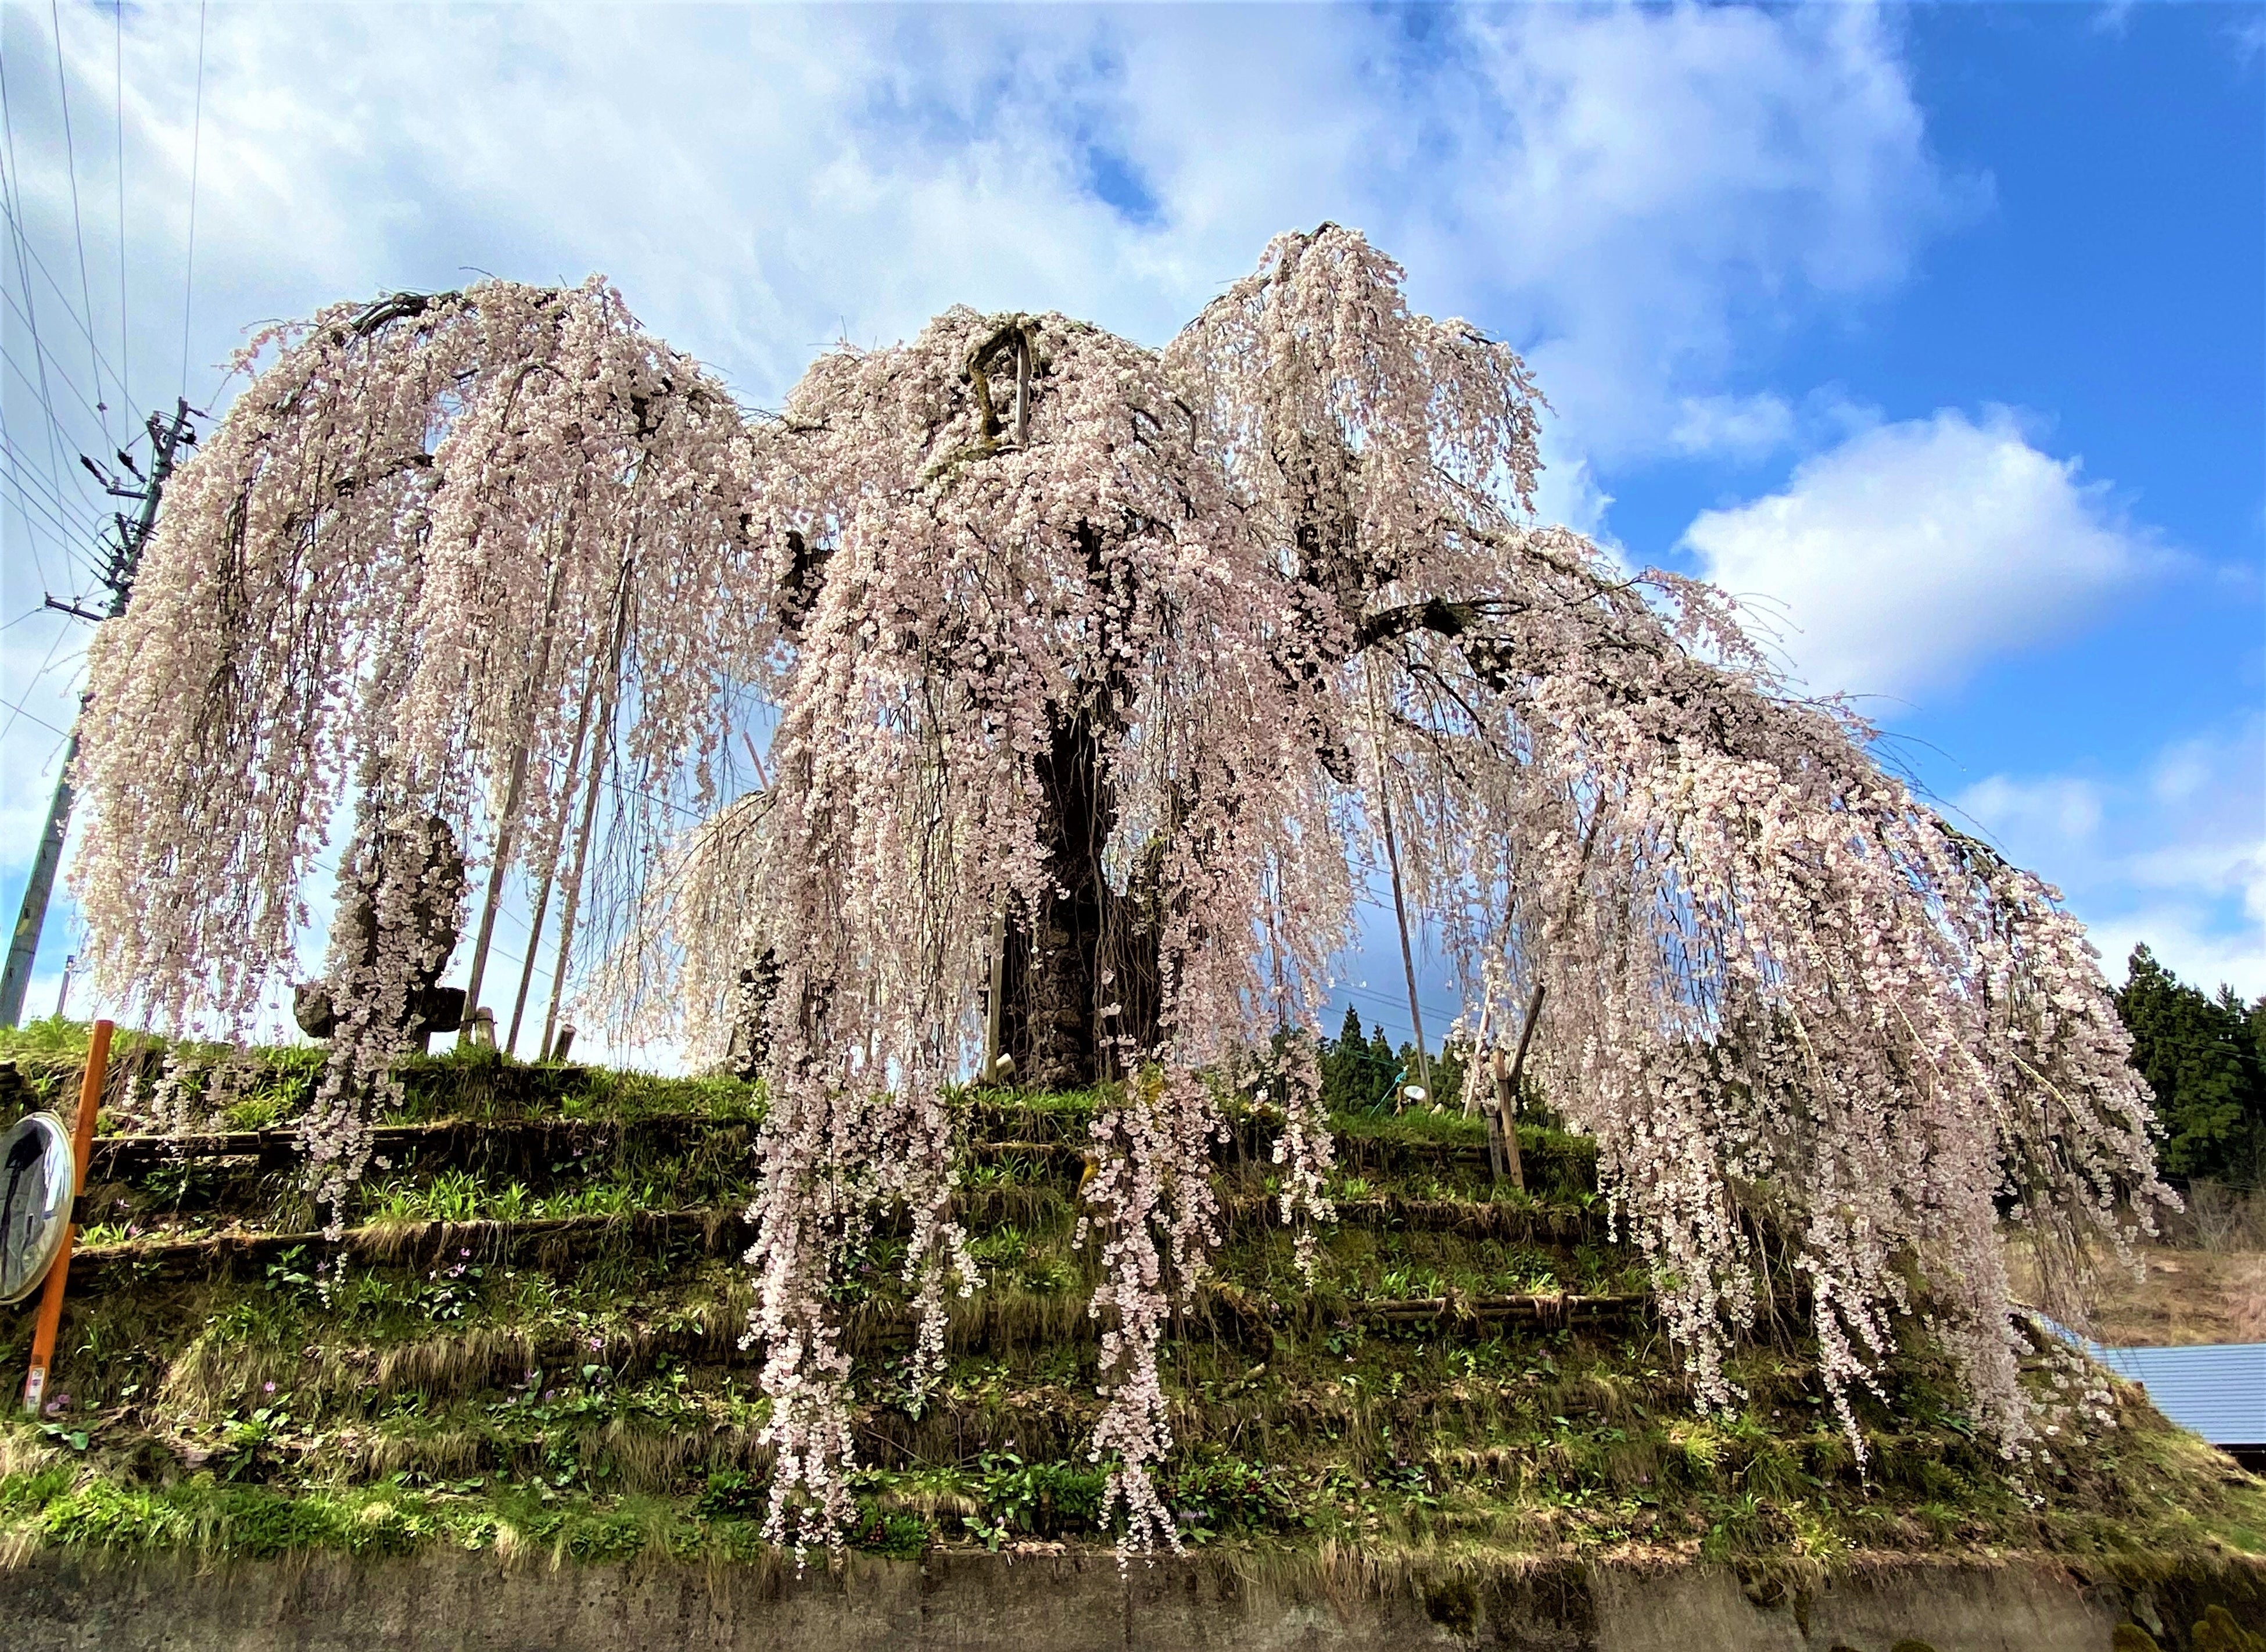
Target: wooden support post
<point>1491,1114</point>
<point>1509,1087</point>
<point>1503,1130</point>
<point>994,1010</point>
<point>602,737</point>
<point>1470,1074</point>
<point>550,861</point>
<point>507,827</point>
<point>1408,956</point>
<point>51,1299</point>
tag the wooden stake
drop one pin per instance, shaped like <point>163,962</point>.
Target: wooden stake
<point>507,831</point>
<point>550,865</point>
<point>603,744</point>
<point>51,1299</point>
<point>992,1011</point>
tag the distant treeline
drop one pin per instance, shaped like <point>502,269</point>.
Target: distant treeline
<point>2205,1058</point>
<point>1358,1073</point>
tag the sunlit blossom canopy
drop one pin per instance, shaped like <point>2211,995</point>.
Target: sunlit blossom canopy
<point>1092,668</point>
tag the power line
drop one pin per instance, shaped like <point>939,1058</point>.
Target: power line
<point>102,363</point>
<point>118,87</point>
<point>83,511</point>
<point>70,535</point>
<point>26,502</point>
<point>18,709</point>
<point>40,388</point>
<point>196,145</point>
<point>24,275</point>
<point>79,231</point>
<point>57,506</point>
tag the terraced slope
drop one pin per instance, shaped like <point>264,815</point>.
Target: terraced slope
<point>527,1340</point>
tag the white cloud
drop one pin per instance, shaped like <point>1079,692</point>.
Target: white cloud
<point>2061,808</point>
<point>1911,552</point>
<point>2173,855</point>
<point>1736,427</point>
<point>1747,428</point>
<point>2245,38</point>
<point>1684,182</point>
<point>1630,194</point>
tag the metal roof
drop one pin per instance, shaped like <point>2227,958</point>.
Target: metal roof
<point>2218,1390</point>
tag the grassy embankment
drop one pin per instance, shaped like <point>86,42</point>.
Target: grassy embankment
<point>526,1342</point>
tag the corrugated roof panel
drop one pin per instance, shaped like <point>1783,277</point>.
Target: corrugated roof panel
<point>2218,1390</point>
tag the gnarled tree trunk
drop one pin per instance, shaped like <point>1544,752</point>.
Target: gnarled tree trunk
<point>1082,976</point>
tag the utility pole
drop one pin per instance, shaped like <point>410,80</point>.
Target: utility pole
<point>166,436</point>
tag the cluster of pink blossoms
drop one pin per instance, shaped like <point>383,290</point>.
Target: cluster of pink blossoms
<point>1254,582</point>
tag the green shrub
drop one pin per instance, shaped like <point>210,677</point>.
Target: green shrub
<point>733,1495</point>
<point>1230,1494</point>
<point>1047,1500</point>
<point>613,1537</point>
<point>261,1524</point>
<point>895,1535</point>
<point>28,1494</point>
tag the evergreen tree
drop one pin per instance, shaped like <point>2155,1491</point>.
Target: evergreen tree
<point>1447,1073</point>
<point>1357,1070</point>
<point>2202,1058</point>
<point>1384,1065</point>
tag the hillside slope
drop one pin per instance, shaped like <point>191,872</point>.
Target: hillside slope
<point>527,1341</point>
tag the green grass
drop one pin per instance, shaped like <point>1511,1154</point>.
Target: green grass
<point>582,1396</point>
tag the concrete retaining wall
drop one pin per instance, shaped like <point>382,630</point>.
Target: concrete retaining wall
<point>61,1602</point>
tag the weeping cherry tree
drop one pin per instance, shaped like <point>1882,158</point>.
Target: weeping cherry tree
<point>443,559</point>
<point>1096,670</point>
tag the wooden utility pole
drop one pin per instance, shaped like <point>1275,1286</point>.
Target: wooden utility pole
<point>166,436</point>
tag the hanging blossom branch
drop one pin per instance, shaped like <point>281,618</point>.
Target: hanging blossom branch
<point>975,592</point>
<point>1780,990</point>
<point>386,581</point>
<point>1789,994</point>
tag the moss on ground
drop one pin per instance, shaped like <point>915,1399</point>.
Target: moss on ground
<point>456,1376</point>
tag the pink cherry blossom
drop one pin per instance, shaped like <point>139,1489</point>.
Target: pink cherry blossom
<point>1257,579</point>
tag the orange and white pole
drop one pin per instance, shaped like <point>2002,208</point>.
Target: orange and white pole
<point>51,1299</point>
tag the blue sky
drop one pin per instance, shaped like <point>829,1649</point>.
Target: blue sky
<point>1937,333</point>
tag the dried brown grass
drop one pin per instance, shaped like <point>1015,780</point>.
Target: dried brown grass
<point>2186,1295</point>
